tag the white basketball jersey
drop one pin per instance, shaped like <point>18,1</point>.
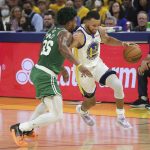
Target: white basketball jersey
<point>89,53</point>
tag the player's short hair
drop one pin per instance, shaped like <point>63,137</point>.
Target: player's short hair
<point>93,14</point>
<point>65,15</point>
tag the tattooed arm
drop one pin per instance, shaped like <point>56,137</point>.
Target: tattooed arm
<point>64,42</point>
<point>65,74</point>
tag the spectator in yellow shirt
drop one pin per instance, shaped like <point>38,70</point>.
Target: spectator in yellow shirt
<point>103,11</point>
<point>81,9</point>
<point>36,9</point>
<point>58,5</point>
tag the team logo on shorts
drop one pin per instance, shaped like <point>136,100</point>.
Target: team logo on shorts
<point>92,51</point>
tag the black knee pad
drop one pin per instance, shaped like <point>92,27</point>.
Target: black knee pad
<point>105,75</point>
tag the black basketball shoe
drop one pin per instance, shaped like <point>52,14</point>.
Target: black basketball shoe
<point>139,103</point>
<point>18,135</point>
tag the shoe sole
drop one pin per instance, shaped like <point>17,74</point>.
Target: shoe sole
<point>33,137</point>
<point>147,108</point>
<point>119,125</point>
<point>18,140</point>
<point>139,106</point>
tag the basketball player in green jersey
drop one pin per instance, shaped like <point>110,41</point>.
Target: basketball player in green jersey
<point>44,76</point>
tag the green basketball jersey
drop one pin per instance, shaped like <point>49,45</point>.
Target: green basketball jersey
<point>50,56</point>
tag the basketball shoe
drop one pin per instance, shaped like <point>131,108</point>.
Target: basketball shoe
<point>147,106</point>
<point>18,135</point>
<point>30,134</point>
<point>139,103</point>
<point>121,121</point>
<point>85,116</point>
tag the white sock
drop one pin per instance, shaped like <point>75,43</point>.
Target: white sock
<point>40,109</point>
<point>54,105</point>
<point>81,111</point>
<point>25,126</point>
<point>120,113</point>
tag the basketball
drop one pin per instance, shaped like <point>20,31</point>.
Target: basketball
<point>132,53</point>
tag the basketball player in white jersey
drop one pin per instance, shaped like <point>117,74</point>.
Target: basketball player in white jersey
<point>87,39</point>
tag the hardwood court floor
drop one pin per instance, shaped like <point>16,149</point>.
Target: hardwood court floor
<point>72,133</point>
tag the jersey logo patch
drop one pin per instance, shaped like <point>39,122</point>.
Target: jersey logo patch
<point>92,51</point>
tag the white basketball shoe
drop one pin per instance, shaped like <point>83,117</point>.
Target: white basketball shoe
<point>85,116</point>
<point>121,121</point>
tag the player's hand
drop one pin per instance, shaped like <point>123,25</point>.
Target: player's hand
<point>65,75</point>
<point>140,71</point>
<point>129,44</point>
<point>145,65</point>
<point>85,71</point>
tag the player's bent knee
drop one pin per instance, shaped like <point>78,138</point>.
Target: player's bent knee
<point>118,90</point>
<point>116,84</point>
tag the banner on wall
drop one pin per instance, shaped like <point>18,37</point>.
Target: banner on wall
<point>17,60</point>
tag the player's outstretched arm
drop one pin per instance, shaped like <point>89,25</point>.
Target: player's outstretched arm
<point>106,39</point>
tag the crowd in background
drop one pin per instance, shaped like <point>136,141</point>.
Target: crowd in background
<point>40,15</point>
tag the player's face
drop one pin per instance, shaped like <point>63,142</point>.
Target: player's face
<point>92,25</point>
